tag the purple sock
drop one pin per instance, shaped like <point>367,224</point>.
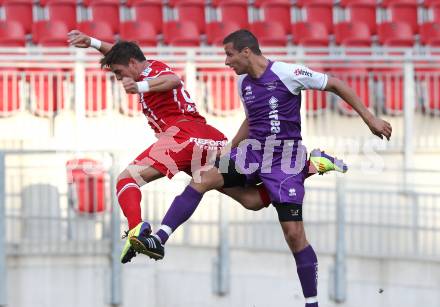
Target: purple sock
<point>180,210</point>
<point>307,268</point>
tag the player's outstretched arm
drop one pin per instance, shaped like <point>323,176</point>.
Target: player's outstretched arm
<point>378,126</point>
<point>81,40</point>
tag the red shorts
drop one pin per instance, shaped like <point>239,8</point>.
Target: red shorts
<point>182,147</point>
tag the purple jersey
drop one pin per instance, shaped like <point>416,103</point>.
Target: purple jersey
<point>273,101</point>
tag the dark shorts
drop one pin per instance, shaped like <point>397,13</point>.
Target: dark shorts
<point>282,177</point>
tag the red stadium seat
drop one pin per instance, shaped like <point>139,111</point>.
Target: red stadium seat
<point>362,11</point>
<point>217,31</point>
<point>49,33</point>
<point>430,34</point>
<point>312,34</point>
<point>396,34</point>
<point>270,33</point>
<point>173,3</point>
<point>220,88</point>
<point>106,11</point>
<point>62,10</point>
<point>86,180</point>
<point>234,11</point>
<point>20,11</point>
<point>141,32</point>
<point>218,2</point>
<point>344,3</point>
<point>183,33</point>
<point>47,91</point>
<point>100,30</point>
<point>403,11</point>
<point>358,79</point>
<point>302,3</point>
<point>390,89</point>
<point>318,11</point>
<point>148,10</point>
<point>276,10</point>
<point>390,2</point>
<point>98,86</point>
<point>11,34</point>
<point>193,10</point>
<point>353,34</point>
<point>9,91</point>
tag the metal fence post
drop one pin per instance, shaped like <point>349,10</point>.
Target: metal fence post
<point>408,110</point>
<point>221,264</point>
<point>3,277</point>
<point>339,293</point>
<point>116,272</point>
<point>415,221</point>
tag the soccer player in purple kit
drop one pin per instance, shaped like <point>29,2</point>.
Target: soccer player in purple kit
<point>271,95</point>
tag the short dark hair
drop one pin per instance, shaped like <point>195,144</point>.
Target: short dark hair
<point>241,39</point>
<point>121,53</point>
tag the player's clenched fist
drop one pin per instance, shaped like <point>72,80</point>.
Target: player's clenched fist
<point>130,85</point>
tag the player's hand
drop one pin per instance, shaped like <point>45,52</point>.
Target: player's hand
<point>380,128</point>
<point>78,39</point>
<point>130,85</point>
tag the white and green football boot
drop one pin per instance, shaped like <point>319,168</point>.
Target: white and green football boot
<point>128,252</point>
<point>325,163</point>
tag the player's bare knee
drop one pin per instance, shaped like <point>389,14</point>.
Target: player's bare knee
<point>292,235</point>
<point>295,237</point>
<point>123,175</point>
<point>209,180</point>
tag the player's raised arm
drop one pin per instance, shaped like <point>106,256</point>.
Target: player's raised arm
<point>81,40</point>
<point>159,84</point>
<point>377,126</point>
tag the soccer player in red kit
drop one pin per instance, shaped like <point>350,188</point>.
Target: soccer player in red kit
<point>182,133</point>
<point>184,140</point>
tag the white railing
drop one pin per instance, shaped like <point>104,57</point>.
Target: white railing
<point>48,81</point>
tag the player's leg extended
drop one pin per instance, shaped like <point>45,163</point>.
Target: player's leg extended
<point>257,197</point>
<point>181,209</point>
<point>251,197</point>
<point>129,198</point>
<point>305,257</point>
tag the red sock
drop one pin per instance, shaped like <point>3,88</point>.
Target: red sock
<point>264,195</point>
<point>129,197</point>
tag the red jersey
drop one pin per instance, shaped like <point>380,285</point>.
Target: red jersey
<point>163,109</point>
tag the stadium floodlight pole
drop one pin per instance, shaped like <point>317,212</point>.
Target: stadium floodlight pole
<point>3,277</point>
